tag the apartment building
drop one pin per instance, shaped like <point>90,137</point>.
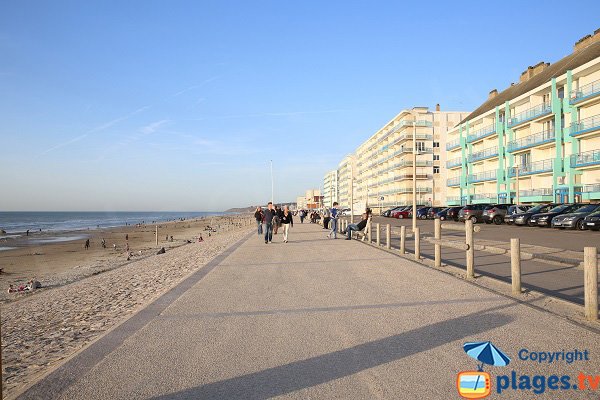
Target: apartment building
<point>330,188</point>
<point>536,141</point>
<point>381,169</point>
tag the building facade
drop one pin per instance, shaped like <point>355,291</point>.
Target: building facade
<point>537,141</point>
<point>380,172</point>
<point>330,188</point>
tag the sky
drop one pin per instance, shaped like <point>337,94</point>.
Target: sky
<point>181,105</point>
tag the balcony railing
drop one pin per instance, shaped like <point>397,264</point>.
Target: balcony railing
<point>482,176</point>
<point>481,133</point>
<point>453,181</point>
<point>529,114</point>
<point>403,177</point>
<point>536,192</point>
<point>452,199</point>
<point>532,140</point>
<point>537,167</point>
<point>455,162</point>
<point>397,127</point>
<point>585,125</point>
<point>485,196</point>
<point>483,154</point>
<point>454,144</point>
<point>593,188</point>
<point>586,158</point>
<point>585,92</point>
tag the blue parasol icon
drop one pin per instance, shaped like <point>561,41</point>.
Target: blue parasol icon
<point>486,353</point>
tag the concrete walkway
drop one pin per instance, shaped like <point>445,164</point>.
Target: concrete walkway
<point>319,319</point>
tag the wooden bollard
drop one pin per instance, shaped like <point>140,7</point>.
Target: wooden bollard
<point>417,234</point>
<point>156,234</point>
<point>369,234</point>
<point>437,247</point>
<point>377,237</point>
<point>471,251</point>
<point>590,274</point>
<point>515,264</point>
<point>388,236</point>
<point>402,240</point>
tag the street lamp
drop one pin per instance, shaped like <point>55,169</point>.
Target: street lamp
<point>516,168</point>
<point>414,177</point>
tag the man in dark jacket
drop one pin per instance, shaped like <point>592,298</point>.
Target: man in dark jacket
<point>269,215</point>
<point>357,227</point>
<point>258,216</point>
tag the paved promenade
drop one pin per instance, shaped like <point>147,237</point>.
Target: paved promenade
<point>316,319</point>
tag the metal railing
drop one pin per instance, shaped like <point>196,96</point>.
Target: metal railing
<point>532,140</point>
<point>483,154</point>
<point>483,176</point>
<point>530,113</point>
<point>595,187</point>
<point>454,144</point>
<point>585,158</point>
<point>455,162</point>
<point>452,199</point>
<point>585,125</point>
<point>481,133</point>
<point>537,167</point>
<point>484,196</point>
<point>589,90</point>
<point>453,181</point>
<point>536,192</point>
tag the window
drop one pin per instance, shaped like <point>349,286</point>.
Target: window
<point>436,157</point>
<point>561,92</point>
<point>436,170</point>
<point>546,98</point>
<point>420,146</point>
<point>436,144</point>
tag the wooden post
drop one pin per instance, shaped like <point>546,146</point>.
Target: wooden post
<point>377,238</point>
<point>515,264</point>
<point>402,240</point>
<point>417,233</point>
<point>156,234</point>
<point>369,235</point>
<point>438,247</point>
<point>388,236</point>
<point>471,251</point>
<point>590,274</point>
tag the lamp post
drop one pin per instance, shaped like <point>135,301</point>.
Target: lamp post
<point>272,184</point>
<point>517,184</point>
<point>351,189</point>
<point>414,177</point>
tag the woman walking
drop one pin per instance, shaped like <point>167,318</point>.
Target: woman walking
<point>287,221</point>
<point>258,216</point>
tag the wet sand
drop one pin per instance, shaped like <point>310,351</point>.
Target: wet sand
<point>55,263</point>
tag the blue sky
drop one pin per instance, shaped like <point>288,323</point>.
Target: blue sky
<point>180,105</point>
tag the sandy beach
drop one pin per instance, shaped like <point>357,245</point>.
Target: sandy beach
<point>55,260</point>
<point>41,329</point>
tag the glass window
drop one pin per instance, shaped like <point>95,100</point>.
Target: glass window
<point>436,157</point>
<point>436,170</point>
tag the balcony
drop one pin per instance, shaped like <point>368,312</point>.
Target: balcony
<point>593,188</point>
<point>455,162</point>
<point>484,198</point>
<point>453,181</point>
<point>482,133</point>
<point>543,194</point>
<point>585,159</point>
<point>532,140</point>
<point>586,125</point>
<point>453,200</point>
<point>454,144</point>
<point>482,176</point>
<point>529,114</point>
<point>484,154</point>
<point>538,167</point>
<point>419,136</point>
<point>585,92</point>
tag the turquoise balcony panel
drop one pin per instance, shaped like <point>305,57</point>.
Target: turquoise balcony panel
<point>585,159</point>
<point>482,133</point>
<point>454,144</point>
<point>484,154</point>
<point>453,200</point>
<point>529,114</point>
<point>585,92</point>
<point>482,176</point>
<point>537,167</point>
<point>536,139</point>
<point>536,195</point>
<point>453,181</point>
<point>455,162</point>
<point>591,192</point>
<point>586,125</point>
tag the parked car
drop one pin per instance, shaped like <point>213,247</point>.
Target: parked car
<point>509,218</point>
<point>592,221</point>
<point>495,213</point>
<point>473,212</point>
<point>545,219</point>
<point>575,219</point>
<point>406,212</point>
<point>452,213</point>
<point>421,212</point>
<point>525,218</point>
<point>433,211</point>
<point>387,213</point>
<point>345,212</point>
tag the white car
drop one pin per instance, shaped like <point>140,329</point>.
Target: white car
<point>346,212</point>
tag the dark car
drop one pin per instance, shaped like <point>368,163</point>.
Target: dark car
<point>545,219</point>
<point>592,221</point>
<point>433,211</point>
<point>442,214</point>
<point>509,218</point>
<point>452,213</point>
<point>525,218</point>
<point>575,219</point>
<point>495,213</point>
<point>473,212</point>
<point>422,212</point>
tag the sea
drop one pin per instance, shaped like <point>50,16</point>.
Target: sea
<point>17,223</point>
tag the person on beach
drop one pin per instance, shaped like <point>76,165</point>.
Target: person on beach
<point>200,239</point>
<point>356,227</point>
<point>258,216</point>
<point>269,215</point>
<point>103,243</point>
<point>87,244</point>
<point>287,221</point>
<point>333,221</point>
<point>126,236</point>
<point>27,234</point>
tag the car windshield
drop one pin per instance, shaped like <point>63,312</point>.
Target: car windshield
<point>584,208</point>
<point>560,208</point>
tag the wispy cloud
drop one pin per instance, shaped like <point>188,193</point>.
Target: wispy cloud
<point>196,86</point>
<point>153,127</point>
<point>96,129</point>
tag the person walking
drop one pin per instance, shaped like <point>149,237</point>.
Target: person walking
<point>277,219</point>
<point>302,215</point>
<point>333,221</point>
<point>326,218</point>
<point>258,216</point>
<point>287,221</point>
<point>269,215</point>
<point>87,244</point>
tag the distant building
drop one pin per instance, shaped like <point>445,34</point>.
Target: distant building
<point>330,188</point>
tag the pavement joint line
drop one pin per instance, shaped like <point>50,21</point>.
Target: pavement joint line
<point>57,380</point>
<point>444,270</point>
